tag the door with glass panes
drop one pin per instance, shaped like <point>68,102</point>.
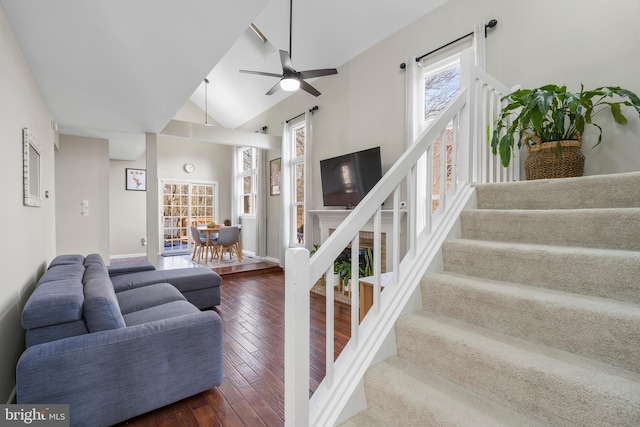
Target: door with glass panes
<point>185,204</point>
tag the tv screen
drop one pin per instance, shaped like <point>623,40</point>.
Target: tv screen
<point>348,178</point>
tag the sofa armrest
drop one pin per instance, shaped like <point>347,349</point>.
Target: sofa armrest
<point>117,270</point>
<point>110,376</point>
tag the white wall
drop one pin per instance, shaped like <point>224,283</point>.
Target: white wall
<point>535,43</point>
<point>82,173</point>
<point>127,211</point>
<point>28,233</point>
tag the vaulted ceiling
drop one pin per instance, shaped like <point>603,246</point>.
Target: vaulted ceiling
<point>116,69</point>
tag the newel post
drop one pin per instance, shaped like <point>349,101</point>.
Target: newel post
<point>296,337</point>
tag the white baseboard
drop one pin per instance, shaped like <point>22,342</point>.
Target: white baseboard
<point>272,259</point>
<point>142,254</point>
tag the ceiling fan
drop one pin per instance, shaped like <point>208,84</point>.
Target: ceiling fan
<point>290,79</point>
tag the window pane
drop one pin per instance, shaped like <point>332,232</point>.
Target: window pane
<point>246,184</point>
<point>247,159</point>
<point>246,204</point>
<point>300,223</point>
<point>300,183</point>
<point>299,142</point>
<point>439,89</point>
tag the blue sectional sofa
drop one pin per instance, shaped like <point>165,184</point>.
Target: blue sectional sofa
<point>116,351</point>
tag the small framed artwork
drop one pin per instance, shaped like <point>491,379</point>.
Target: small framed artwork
<point>136,179</point>
<point>31,165</point>
<point>274,176</point>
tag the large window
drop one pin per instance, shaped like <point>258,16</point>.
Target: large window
<point>297,167</point>
<point>439,85</point>
<point>248,180</point>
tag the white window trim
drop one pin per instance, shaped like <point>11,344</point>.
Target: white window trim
<point>253,173</point>
<point>295,161</point>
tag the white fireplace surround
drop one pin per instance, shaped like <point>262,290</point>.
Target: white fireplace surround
<point>330,219</point>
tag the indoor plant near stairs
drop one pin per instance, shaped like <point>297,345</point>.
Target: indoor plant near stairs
<point>550,121</point>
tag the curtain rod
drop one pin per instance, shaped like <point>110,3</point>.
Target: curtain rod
<point>491,24</point>
<point>311,110</point>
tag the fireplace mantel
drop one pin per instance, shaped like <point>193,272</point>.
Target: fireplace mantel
<point>330,219</point>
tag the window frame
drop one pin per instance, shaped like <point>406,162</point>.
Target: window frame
<point>294,203</point>
<point>251,172</point>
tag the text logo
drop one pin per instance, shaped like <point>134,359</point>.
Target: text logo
<point>34,415</point>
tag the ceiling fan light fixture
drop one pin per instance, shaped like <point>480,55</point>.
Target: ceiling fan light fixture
<point>290,84</point>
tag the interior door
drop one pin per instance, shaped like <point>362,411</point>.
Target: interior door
<point>185,204</point>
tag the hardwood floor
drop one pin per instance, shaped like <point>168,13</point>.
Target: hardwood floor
<point>252,392</point>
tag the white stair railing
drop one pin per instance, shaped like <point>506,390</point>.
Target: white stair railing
<point>464,126</point>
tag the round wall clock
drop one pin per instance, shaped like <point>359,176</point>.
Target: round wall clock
<point>189,167</point>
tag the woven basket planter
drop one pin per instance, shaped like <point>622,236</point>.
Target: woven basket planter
<point>542,162</point>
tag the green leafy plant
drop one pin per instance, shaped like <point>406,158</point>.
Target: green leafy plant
<point>553,114</point>
<point>368,262</point>
<point>343,268</point>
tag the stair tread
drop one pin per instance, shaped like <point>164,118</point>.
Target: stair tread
<point>522,351</point>
<point>558,297</point>
<point>614,228</point>
<point>552,385</point>
<point>434,400</point>
<point>607,273</point>
<point>613,190</point>
<point>364,418</point>
<point>541,247</point>
<point>594,327</point>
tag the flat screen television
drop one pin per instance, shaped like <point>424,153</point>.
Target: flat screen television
<point>348,178</point>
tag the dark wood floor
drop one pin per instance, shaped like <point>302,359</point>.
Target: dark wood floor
<point>252,392</point>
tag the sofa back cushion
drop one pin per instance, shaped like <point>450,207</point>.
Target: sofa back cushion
<point>101,308</point>
<point>53,303</point>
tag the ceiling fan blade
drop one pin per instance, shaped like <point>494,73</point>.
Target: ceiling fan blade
<point>317,73</point>
<point>274,89</point>
<point>287,65</point>
<point>308,88</point>
<point>261,73</point>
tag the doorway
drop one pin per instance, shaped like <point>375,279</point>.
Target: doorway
<point>185,204</point>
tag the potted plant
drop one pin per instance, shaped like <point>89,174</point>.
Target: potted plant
<point>343,268</point>
<point>550,121</point>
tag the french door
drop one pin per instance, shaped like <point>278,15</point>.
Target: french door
<point>185,204</point>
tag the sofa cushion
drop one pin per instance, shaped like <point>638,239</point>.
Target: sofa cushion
<point>94,259</point>
<point>52,303</point>
<point>148,296</point>
<point>185,279</point>
<point>62,272</point>
<point>95,271</point>
<point>67,259</point>
<point>55,332</point>
<point>116,270</point>
<point>160,312</point>
<point>101,309</point>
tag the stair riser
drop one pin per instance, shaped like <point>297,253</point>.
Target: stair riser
<point>599,228</point>
<point>589,192</point>
<point>610,334</point>
<point>606,275</point>
<point>531,384</point>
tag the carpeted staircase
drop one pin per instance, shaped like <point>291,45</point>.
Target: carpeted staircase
<point>535,319</point>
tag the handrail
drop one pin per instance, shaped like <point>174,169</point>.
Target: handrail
<point>467,120</point>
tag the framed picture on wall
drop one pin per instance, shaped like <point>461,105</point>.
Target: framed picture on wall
<point>274,177</point>
<point>136,179</point>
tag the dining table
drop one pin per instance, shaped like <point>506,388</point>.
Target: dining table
<point>208,230</point>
